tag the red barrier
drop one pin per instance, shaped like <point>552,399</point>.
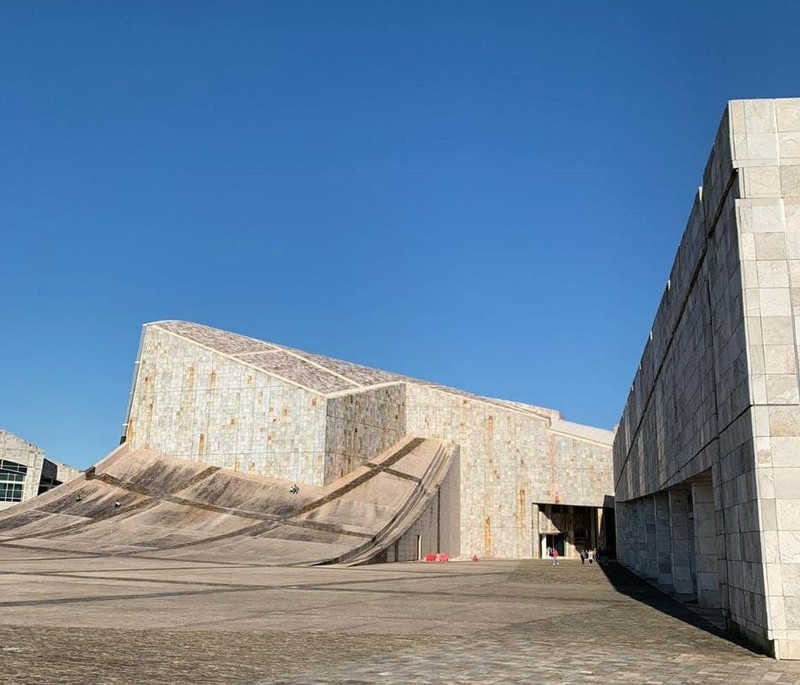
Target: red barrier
<point>430,557</point>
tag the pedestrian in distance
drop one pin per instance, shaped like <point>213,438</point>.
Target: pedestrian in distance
<point>555,557</point>
<point>583,555</point>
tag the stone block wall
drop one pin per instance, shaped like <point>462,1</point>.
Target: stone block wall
<point>716,392</point>
<point>681,542</point>
<point>576,472</point>
<point>499,449</point>
<point>766,154</point>
<point>194,403</point>
<point>361,425</point>
<point>438,527</point>
<point>421,538</point>
<point>663,534</point>
<point>671,412</point>
<point>509,460</point>
<point>450,508</point>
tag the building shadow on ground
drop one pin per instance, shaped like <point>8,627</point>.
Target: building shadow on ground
<point>628,583</point>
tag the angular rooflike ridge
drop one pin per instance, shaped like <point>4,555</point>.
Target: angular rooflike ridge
<point>577,430</point>
<point>329,376</point>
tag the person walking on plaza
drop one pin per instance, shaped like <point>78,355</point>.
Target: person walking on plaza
<point>555,557</point>
<point>583,554</point>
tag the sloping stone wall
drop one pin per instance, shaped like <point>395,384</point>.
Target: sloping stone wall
<point>361,425</point>
<point>196,404</point>
<point>202,404</point>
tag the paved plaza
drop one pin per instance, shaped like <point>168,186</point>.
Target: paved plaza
<point>106,619</point>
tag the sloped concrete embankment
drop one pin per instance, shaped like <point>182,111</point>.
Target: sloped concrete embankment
<point>141,503</point>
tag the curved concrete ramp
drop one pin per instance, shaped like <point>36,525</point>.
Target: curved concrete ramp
<point>142,503</point>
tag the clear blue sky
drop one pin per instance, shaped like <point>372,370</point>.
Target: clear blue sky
<point>484,194</point>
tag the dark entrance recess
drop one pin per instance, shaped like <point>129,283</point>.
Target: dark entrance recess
<point>558,541</point>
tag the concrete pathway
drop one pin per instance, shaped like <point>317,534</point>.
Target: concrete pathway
<point>93,619</point>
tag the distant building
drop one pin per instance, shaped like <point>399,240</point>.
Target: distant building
<point>25,472</point>
<point>528,479</point>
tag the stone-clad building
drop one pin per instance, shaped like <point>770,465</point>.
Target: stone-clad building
<point>25,472</point>
<point>707,455</point>
<point>528,478</point>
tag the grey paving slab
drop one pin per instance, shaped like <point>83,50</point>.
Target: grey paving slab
<point>490,622</point>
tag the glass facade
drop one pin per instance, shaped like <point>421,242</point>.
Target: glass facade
<point>12,479</point>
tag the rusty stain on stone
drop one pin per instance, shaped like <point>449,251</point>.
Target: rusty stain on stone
<point>500,454</point>
<point>552,452</point>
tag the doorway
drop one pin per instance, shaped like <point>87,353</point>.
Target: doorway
<point>557,540</point>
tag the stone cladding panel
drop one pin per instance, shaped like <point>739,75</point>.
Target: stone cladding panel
<point>197,404</point>
<point>361,425</point>
<point>716,391</point>
<point>509,460</point>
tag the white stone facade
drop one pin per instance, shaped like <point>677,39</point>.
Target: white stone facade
<point>227,400</point>
<point>713,417</point>
<point>510,459</point>
<point>195,403</point>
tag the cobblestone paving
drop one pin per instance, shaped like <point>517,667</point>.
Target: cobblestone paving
<point>61,656</point>
<point>102,620</point>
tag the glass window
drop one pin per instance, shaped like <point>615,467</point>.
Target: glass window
<point>12,476</point>
<point>10,492</point>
